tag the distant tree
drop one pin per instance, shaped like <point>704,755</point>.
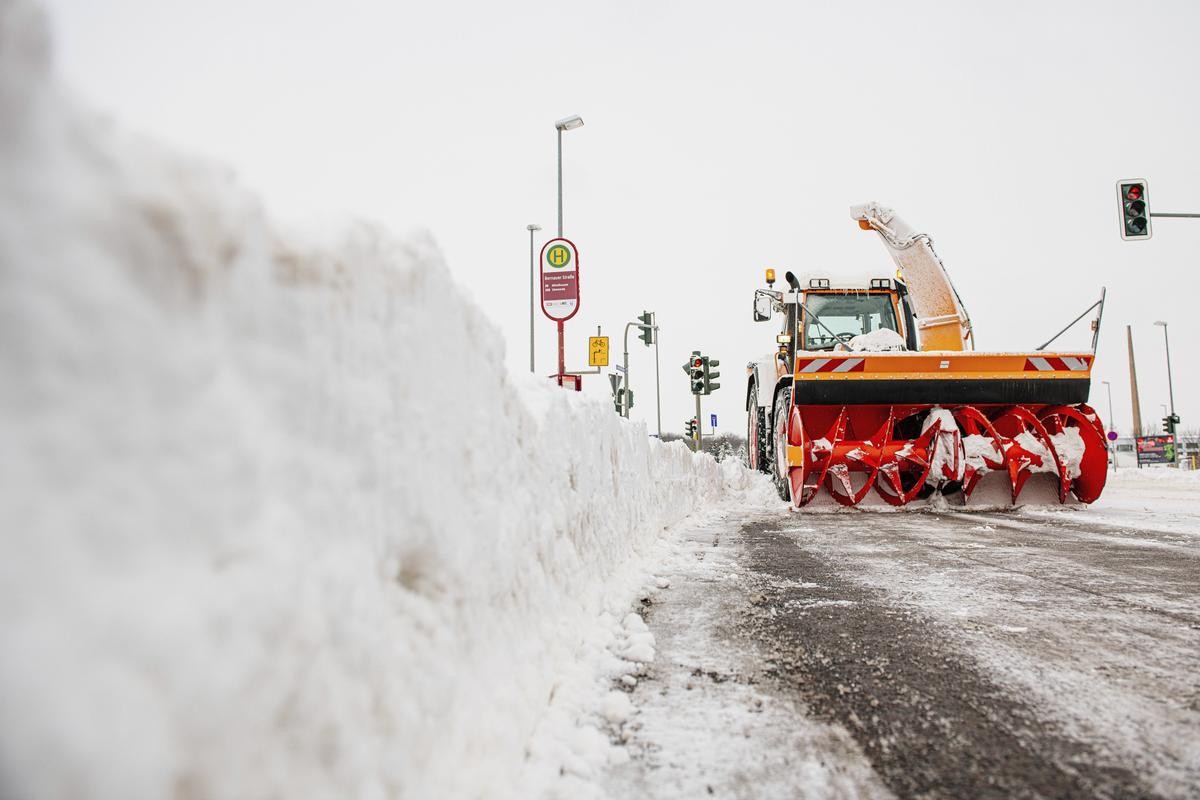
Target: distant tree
<point>727,445</point>
<point>1189,443</point>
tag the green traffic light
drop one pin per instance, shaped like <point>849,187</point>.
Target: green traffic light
<point>646,326</point>
<point>710,375</point>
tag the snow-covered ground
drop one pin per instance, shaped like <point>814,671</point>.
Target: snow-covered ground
<point>1162,497</point>
<point>276,521</point>
<point>704,718</point>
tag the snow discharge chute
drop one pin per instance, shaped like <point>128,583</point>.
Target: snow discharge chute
<point>885,403</point>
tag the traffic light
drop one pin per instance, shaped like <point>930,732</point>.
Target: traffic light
<point>711,375</point>
<point>619,400</point>
<point>647,335</point>
<point>1167,425</point>
<point>689,428</point>
<point>1135,213</point>
<point>695,370</point>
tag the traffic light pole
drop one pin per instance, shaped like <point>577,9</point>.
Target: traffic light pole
<point>1170,389</point>
<point>699,428</point>
<point>625,344</point>
<point>657,386</point>
<point>1170,383</point>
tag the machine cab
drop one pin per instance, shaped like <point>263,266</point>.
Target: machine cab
<point>830,318</point>
<point>819,315</point>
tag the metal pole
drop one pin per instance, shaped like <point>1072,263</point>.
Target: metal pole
<point>1170,384</point>
<point>625,397</point>
<point>699,428</point>
<point>562,363</point>
<point>1112,422</point>
<point>1180,216</point>
<point>531,228</point>
<point>657,386</point>
<point>1170,387</point>
<point>560,229</point>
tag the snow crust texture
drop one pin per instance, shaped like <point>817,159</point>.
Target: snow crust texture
<point>276,522</point>
<point>877,341</point>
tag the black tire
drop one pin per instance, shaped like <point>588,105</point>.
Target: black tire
<point>779,418</point>
<point>758,453</point>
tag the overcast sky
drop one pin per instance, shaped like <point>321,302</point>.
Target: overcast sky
<point>719,139</point>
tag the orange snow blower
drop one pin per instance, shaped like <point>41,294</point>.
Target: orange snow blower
<point>876,394</point>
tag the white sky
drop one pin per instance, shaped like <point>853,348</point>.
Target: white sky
<point>720,139</point>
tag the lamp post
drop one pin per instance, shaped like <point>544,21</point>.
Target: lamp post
<point>565,124</point>
<point>1170,385</point>
<point>531,228</point>
<point>1167,345</point>
<point>1111,445</point>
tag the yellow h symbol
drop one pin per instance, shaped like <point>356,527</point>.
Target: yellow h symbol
<point>558,256</point>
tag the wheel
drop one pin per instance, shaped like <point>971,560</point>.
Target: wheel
<point>779,473</point>
<point>758,452</point>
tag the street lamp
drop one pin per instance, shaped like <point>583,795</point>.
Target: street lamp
<point>1111,445</point>
<point>531,228</point>
<point>566,124</point>
<point>1167,345</point>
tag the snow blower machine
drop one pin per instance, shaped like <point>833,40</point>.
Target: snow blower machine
<point>876,394</point>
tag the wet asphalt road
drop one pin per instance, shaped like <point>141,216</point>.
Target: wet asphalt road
<point>924,655</point>
<point>994,655</point>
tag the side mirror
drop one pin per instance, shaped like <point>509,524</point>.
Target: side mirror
<point>764,305</point>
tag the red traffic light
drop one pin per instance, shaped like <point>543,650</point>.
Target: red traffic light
<point>1133,194</point>
<point>697,363</point>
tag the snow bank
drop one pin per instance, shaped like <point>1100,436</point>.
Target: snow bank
<point>275,520</point>
<point>1155,475</point>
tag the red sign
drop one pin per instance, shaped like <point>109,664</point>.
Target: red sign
<point>560,280</point>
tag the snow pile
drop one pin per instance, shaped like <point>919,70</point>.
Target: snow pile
<point>1070,448</point>
<point>275,522</point>
<point>945,463</point>
<point>880,341</point>
<point>1160,475</point>
<point>1068,445</point>
<point>978,450</point>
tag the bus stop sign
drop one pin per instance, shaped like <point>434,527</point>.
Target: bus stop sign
<point>560,280</point>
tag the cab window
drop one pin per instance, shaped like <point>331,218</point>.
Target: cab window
<point>845,315</point>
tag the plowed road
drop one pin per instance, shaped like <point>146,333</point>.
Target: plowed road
<point>1019,654</point>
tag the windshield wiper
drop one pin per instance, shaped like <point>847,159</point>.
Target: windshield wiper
<point>817,320</point>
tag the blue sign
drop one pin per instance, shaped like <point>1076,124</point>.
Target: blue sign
<point>714,420</point>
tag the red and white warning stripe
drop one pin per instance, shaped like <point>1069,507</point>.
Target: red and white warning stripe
<point>1057,364</point>
<point>830,364</point>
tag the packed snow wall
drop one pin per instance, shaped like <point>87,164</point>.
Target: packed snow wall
<point>276,522</point>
